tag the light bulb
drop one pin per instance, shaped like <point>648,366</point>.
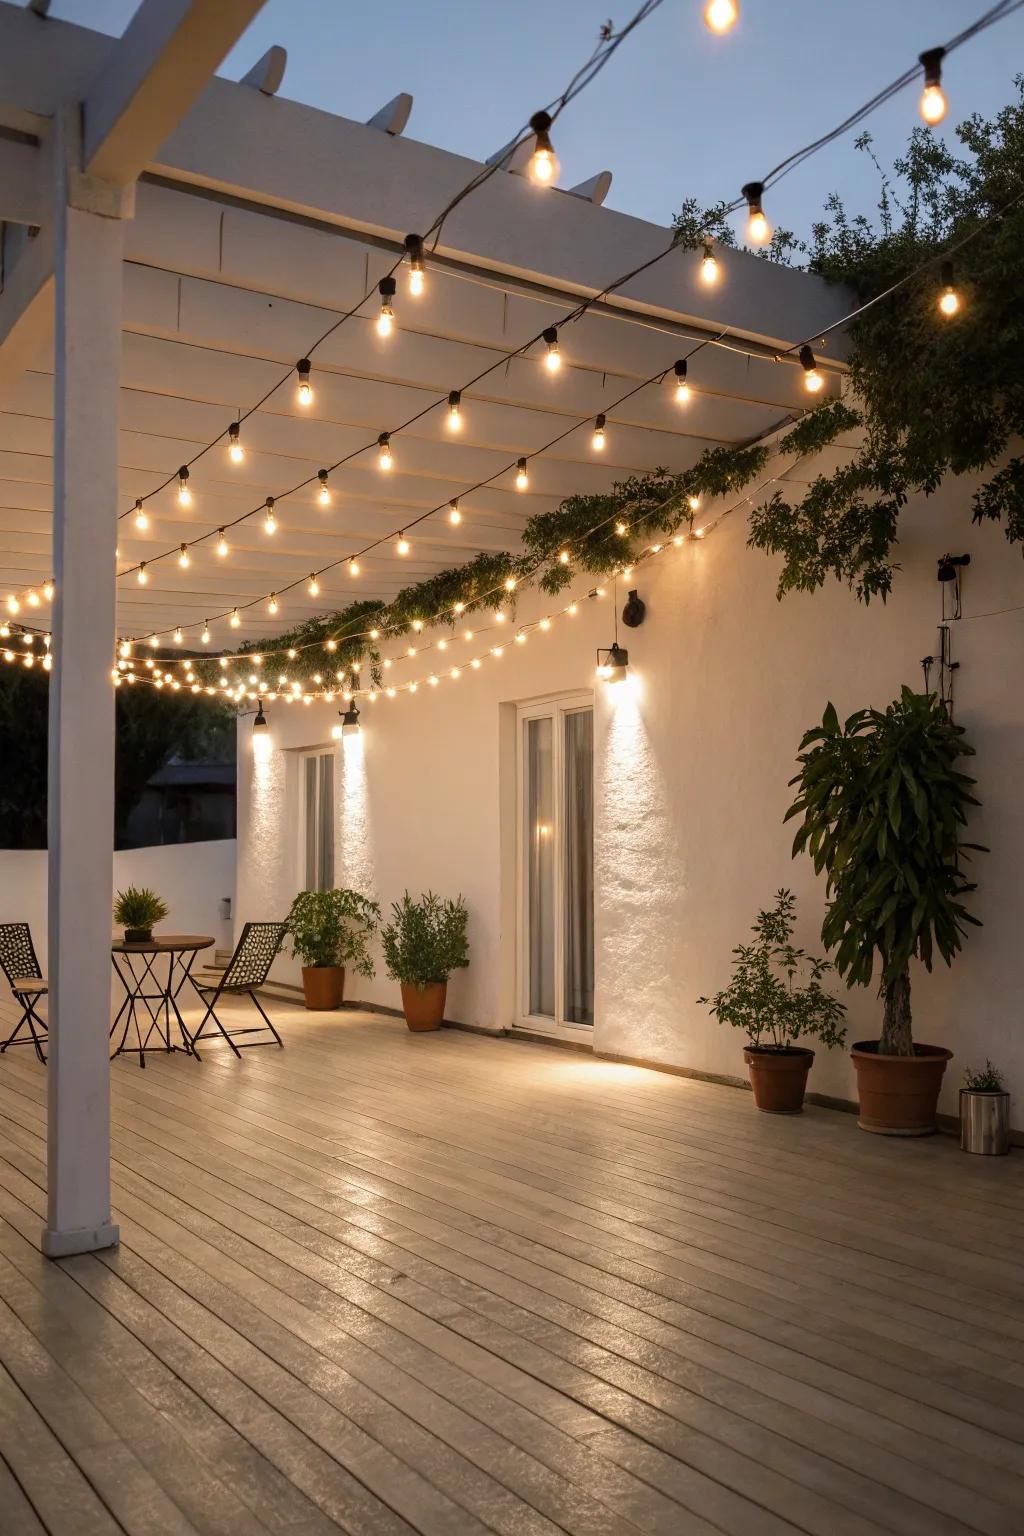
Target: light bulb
<point>143,576</point>
<point>48,591</point>
<point>721,15</point>
<point>813,380</point>
<point>709,264</point>
<point>416,282</point>
<point>693,502</point>
<point>543,164</point>
<point>270,521</point>
<point>386,318</point>
<point>236,453</point>
<point>510,583</point>
<point>184,494</point>
<point>563,557</point>
<point>205,636</point>
<point>417,270</point>
<point>553,359</point>
<point>949,299</point>
<point>385,458</point>
<point>455,411</point>
<point>454,515</point>
<point>305,390</point>
<point>759,231</point>
<point>234,620</point>
<point>272,605</point>
<point>222,545</point>
<point>12,604</point>
<point>324,493</point>
<point>184,559</point>
<point>621,530</point>
<point>32,599</point>
<point>314,585</point>
<point>402,546</point>
<point>522,478</point>
<point>597,441</point>
<point>141,520</point>
<point>682,387</point>
<point>178,636</point>
<point>353,567</point>
<point>933,102</point>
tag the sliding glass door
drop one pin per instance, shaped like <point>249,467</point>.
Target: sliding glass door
<point>555,745</point>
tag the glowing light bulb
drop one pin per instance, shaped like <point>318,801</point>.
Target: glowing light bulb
<point>813,380</point>
<point>385,458</point>
<point>543,164</point>
<point>184,494</point>
<point>459,607</point>
<point>205,636</point>
<point>32,599</point>
<point>304,393</point>
<point>553,358</point>
<point>721,15</point>
<point>222,545</point>
<point>949,299</point>
<point>236,453</point>
<point>510,583</point>
<point>184,559</point>
<point>402,545</point>
<point>455,411</point>
<point>353,567</point>
<point>143,575</point>
<point>323,496</point>
<point>178,637</point>
<point>563,557</point>
<point>598,440</point>
<point>759,231</point>
<point>454,515</point>
<point>12,604</point>
<point>709,264</point>
<point>235,618</point>
<point>621,530</point>
<point>48,591</point>
<point>522,478</point>
<point>272,605</point>
<point>314,585</point>
<point>141,520</point>
<point>386,317</point>
<point>417,270</point>
<point>933,102</point>
<point>270,521</point>
<point>682,387</point>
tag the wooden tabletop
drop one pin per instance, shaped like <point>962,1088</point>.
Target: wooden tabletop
<point>163,944</point>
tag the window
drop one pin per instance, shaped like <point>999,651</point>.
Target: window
<point>555,743</point>
<point>316,857</point>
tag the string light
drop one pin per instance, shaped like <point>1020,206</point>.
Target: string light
<point>553,359</point>
<point>323,495</point>
<point>178,637</point>
<point>709,264</point>
<point>597,441</point>
<point>205,636</point>
<point>510,583</point>
<point>143,574</point>
<point>223,547</point>
<point>454,515</point>
<point>184,559</point>
<point>273,605</point>
<point>933,102</point>
<point>236,453</point>
<point>563,557</point>
<point>721,15</point>
<point>353,567</point>
<point>386,319</point>
<point>32,598</point>
<point>522,478</point>
<point>693,502</point>
<point>813,380</point>
<point>235,619</point>
<point>141,520</point>
<point>759,231</point>
<point>270,521</point>
<point>184,494</point>
<point>543,164</point>
<point>402,545</point>
<point>455,410</point>
<point>949,299</point>
<point>48,591</point>
<point>417,268</point>
<point>682,387</point>
<point>12,604</point>
<point>304,393</point>
<point>385,458</point>
<point>314,585</point>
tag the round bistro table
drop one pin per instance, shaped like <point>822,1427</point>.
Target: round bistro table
<point>150,999</point>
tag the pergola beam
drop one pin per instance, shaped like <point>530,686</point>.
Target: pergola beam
<point>26,310</point>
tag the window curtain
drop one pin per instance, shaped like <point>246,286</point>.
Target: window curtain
<point>578,844</point>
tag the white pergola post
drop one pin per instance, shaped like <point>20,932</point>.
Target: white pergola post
<point>87,259</point>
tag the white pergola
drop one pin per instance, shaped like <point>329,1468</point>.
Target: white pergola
<point>172,244</point>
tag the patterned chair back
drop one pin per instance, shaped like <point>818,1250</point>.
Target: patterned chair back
<point>17,953</point>
<point>254,954</point>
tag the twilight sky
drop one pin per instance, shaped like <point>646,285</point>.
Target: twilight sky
<point>676,113</point>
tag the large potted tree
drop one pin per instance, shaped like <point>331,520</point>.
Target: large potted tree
<point>776,997</point>
<point>424,942</point>
<point>329,931</point>
<point>882,802</point>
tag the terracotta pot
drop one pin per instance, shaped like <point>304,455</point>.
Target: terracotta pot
<point>424,1006</point>
<point>898,1094</point>
<point>323,986</point>
<point>778,1078</point>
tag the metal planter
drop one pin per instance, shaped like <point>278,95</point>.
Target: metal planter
<point>984,1122</point>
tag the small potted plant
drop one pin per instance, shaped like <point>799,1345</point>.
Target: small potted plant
<point>424,942</point>
<point>136,911</point>
<point>985,1113</point>
<point>329,931</point>
<point>765,999</point>
<point>883,800</point>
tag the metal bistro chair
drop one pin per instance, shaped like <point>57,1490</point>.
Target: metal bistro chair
<point>246,970</point>
<point>27,983</point>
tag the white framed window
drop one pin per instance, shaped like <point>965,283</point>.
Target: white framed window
<point>555,865</point>
<point>316,821</point>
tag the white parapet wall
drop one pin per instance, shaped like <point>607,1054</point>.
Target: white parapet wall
<point>192,878</point>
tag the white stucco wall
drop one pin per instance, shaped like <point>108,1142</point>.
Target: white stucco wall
<point>692,760</point>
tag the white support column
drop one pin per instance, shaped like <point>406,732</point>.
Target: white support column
<point>87,255</point>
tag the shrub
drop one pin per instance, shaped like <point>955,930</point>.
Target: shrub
<point>426,939</point>
<point>334,928</point>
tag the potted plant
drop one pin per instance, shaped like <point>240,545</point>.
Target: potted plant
<point>765,999</point>
<point>985,1113</point>
<point>882,801</point>
<point>329,931</point>
<point>424,942</point>
<point>136,911</point>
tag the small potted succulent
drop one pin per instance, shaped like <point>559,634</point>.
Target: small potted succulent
<point>766,1000</point>
<point>424,942</point>
<point>329,931</point>
<point>985,1112</point>
<point>136,911</point>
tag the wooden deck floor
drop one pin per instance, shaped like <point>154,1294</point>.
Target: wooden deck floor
<point>384,1283</point>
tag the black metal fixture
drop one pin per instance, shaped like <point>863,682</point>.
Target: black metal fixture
<point>613,663</point>
<point>634,610</point>
<point>260,725</point>
<point>349,720</point>
<point>951,565</point>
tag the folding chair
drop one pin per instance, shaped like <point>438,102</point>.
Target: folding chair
<point>20,966</point>
<point>246,970</point>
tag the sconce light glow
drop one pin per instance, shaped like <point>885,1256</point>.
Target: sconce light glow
<point>613,663</point>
